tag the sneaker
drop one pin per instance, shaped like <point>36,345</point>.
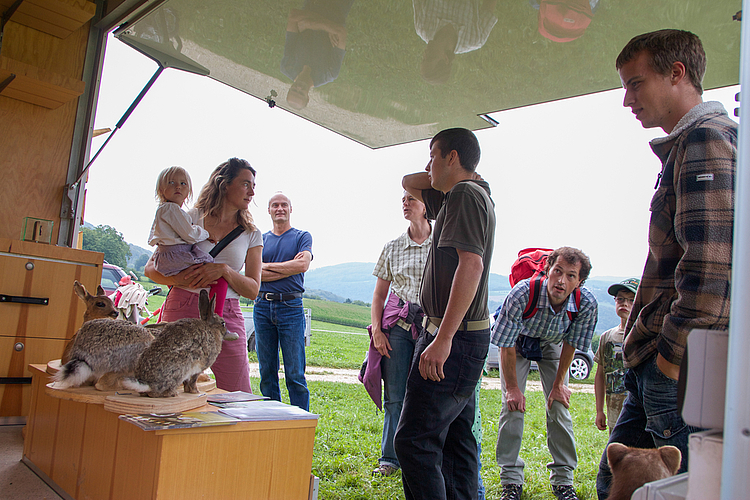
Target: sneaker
<point>384,470</point>
<point>564,492</point>
<point>511,492</point>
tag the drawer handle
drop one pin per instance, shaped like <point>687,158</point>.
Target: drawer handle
<point>15,380</point>
<point>24,300</point>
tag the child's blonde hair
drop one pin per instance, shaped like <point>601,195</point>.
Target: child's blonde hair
<point>167,175</point>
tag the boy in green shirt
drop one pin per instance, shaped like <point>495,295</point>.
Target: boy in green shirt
<point>610,371</point>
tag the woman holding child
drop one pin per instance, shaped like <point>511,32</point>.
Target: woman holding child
<point>396,320</point>
<point>221,206</point>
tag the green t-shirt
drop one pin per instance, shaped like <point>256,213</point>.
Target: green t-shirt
<point>609,357</point>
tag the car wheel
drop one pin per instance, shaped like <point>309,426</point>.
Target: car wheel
<point>579,368</point>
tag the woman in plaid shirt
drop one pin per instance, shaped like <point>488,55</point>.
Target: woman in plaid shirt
<point>399,268</point>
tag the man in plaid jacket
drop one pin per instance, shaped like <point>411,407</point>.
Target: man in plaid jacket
<point>685,283</point>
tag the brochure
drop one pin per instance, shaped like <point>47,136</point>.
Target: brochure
<point>268,410</point>
<point>155,421</point>
<point>234,397</point>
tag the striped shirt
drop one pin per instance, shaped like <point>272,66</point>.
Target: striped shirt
<point>685,283</point>
<point>402,263</point>
<point>546,324</point>
<point>472,21</point>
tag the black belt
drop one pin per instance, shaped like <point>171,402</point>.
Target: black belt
<point>280,296</point>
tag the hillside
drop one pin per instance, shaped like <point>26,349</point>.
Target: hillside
<point>354,281</point>
<point>135,250</point>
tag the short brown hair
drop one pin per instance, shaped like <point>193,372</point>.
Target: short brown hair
<point>464,142</point>
<point>667,47</point>
<point>571,256</point>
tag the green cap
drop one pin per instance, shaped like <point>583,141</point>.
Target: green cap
<point>630,284</point>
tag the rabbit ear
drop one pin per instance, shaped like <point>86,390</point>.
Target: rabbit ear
<point>80,290</point>
<point>203,304</point>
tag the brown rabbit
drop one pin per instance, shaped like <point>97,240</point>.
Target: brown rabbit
<point>100,346</point>
<point>97,306</point>
<point>181,351</point>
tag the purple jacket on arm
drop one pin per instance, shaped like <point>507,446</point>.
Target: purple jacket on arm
<point>373,374</point>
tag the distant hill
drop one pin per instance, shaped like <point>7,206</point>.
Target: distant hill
<point>354,281</point>
<point>135,250</point>
<point>135,253</point>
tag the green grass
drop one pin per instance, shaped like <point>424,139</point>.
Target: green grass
<point>336,350</point>
<point>347,438</point>
<point>347,444</point>
<point>337,313</point>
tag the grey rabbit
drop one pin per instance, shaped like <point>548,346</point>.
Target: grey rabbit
<point>181,351</point>
<point>101,346</point>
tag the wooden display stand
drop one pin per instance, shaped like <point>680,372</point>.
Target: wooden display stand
<point>84,451</point>
<point>37,332</point>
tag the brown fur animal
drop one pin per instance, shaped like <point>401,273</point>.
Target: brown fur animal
<point>634,467</point>
<point>104,349</point>
<point>97,306</point>
<point>180,352</point>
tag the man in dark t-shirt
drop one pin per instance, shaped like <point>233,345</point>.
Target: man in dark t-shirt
<point>434,443</point>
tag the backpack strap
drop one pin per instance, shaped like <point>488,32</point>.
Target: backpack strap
<point>577,296</point>
<point>535,289</point>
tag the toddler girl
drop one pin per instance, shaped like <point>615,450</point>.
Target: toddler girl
<point>174,234</point>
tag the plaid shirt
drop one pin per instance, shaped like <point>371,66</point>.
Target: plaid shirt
<point>546,324</point>
<point>402,263</point>
<point>472,21</point>
<point>686,281</point>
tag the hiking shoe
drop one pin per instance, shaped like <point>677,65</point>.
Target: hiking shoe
<point>511,492</point>
<point>384,470</point>
<point>564,492</point>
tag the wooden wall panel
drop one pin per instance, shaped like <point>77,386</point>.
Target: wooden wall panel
<point>68,439</point>
<point>98,457</point>
<point>36,146</point>
<point>39,444</point>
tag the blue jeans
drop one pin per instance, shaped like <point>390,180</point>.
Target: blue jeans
<point>281,323</point>
<point>434,442</point>
<point>649,418</point>
<point>395,371</point>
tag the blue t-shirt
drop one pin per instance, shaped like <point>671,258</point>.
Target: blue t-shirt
<point>281,249</point>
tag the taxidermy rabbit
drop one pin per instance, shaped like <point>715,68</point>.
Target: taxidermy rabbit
<point>181,351</point>
<point>97,306</point>
<point>102,346</point>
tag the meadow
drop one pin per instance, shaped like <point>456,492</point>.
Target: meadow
<point>347,438</point>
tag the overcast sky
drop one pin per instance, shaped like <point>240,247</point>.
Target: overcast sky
<point>577,172</point>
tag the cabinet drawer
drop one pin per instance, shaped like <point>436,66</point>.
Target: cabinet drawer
<point>14,365</point>
<point>28,276</point>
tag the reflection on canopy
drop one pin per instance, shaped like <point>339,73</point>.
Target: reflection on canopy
<point>392,71</point>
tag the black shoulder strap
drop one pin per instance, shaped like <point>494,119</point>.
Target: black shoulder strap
<point>226,240</point>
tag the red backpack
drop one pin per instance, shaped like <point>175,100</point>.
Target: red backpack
<point>564,20</point>
<point>530,264</point>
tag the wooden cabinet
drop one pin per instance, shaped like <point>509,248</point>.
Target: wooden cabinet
<point>86,452</point>
<point>37,332</point>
